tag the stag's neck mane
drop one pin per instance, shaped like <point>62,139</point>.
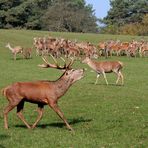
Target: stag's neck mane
<point>62,85</point>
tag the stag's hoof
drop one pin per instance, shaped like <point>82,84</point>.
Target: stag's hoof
<point>33,126</point>
<point>29,127</point>
<point>6,128</point>
<point>71,130</point>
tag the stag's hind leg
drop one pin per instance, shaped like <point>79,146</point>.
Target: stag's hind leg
<point>6,111</point>
<point>12,104</point>
<point>20,107</point>
<point>40,112</point>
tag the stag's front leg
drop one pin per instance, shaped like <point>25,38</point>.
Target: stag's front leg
<point>61,115</point>
<point>40,114</point>
<point>20,107</point>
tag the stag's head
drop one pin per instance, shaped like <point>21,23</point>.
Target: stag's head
<point>73,75</point>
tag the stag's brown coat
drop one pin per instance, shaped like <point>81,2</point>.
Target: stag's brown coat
<point>41,93</point>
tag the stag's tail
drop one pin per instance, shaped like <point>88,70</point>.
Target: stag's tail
<point>3,91</point>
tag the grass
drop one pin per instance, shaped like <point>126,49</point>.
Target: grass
<point>102,116</point>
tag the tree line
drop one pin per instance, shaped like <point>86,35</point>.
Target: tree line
<point>53,15</point>
<point>124,17</point>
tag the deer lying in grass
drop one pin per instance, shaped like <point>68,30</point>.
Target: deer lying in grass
<point>41,93</point>
<point>105,67</point>
<point>14,50</point>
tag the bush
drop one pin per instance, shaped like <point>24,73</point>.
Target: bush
<point>136,28</point>
<point>128,29</point>
<point>111,29</point>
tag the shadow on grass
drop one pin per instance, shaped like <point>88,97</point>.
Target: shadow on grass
<point>3,137</point>
<point>111,84</point>
<point>1,146</point>
<point>59,124</point>
<point>62,124</point>
<point>21,58</point>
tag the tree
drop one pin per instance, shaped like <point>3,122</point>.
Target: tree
<point>126,11</point>
<point>54,15</point>
<point>22,13</point>
<point>136,28</point>
<point>68,15</point>
<point>126,17</point>
<point>5,5</point>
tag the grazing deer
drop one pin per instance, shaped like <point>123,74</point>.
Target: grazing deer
<point>41,93</point>
<point>26,52</point>
<point>105,67</point>
<point>14,50</point>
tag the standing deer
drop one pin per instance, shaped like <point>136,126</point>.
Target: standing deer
<point>105,67</point>
<point>41,93</point>
<point>14,50</point>
<point>143,49</point>
<point>26,52</point>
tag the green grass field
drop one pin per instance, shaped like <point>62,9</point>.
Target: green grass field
<point>102,116</point>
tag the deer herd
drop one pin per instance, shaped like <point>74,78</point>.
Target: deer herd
<point>47,92</point>
<point>118,48</point>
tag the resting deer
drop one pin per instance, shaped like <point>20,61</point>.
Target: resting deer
<point>15,50</point>
<point>105,67</point>
<point>41,93</point>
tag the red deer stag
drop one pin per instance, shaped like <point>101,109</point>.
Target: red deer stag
<point>41,93</point>
<point>15,50</point>
<point>105,67</point>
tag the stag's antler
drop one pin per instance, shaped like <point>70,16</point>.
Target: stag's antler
<point>56,65</point>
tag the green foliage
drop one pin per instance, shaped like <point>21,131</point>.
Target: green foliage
<point>136,28</point>
<point>71,16</point>
<point>127,16</point>
<point>102,116</point>
<point>126,11</point>
<point>58,15</point>
<point>22,13</point>
<point>110,29</point>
